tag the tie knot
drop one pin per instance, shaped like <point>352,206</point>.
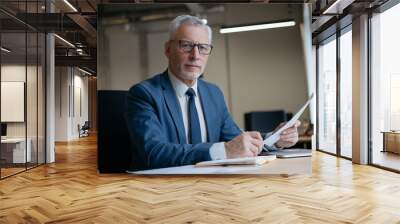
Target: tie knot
<point>190,92</point>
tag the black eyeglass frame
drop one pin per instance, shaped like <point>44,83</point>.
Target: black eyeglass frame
<point>192,45</point>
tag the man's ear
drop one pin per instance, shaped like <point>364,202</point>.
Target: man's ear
<point>167,48</point>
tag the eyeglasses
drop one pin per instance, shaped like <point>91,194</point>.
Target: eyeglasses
<point>187,46</point>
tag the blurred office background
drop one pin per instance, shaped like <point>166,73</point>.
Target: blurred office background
<point>257,71</point>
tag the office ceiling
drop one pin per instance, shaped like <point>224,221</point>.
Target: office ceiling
<point>79,27</point>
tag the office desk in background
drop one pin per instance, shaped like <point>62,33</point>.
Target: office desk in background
<point>391,141</point>
<point>13,150</point>
<point>289,166</point>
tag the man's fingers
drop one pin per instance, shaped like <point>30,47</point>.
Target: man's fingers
<point>255,134</point>
<point>254,149</point>
<point>253,144</point>
<point>293,128</point>
<point>249,147</point>
<point>289,137</point>
<point>289,131</point>
<point>256,142</point>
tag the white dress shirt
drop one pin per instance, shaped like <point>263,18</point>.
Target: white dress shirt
<point>217,150</point>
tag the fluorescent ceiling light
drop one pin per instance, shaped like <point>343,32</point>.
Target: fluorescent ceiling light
<point>331,7</point>
<point>338,6</point>
<point>65,41</point>
<point>5,49</point>
<point>84,71</point>
<point>257,27</point>
<point>70,5</point>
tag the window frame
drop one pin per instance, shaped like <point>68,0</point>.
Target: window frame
<point>346,27</point>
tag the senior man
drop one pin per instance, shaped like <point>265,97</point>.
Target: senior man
<point>175,118</point>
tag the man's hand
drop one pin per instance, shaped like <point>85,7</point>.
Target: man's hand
<point>289,137</point>
<point>247,144</point>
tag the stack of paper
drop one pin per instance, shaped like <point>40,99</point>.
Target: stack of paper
<point>258,160</point>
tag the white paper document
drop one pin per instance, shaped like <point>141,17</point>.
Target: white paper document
<point>191,169</point>
<point>291,166</point>
<point>258,160</point>
<point>272,139</point>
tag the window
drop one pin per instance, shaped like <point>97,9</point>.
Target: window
<point>327,96</point>
<point>385,88</point>
<point>346,94</point>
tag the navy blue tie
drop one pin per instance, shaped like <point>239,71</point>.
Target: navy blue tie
<point>194,123</point>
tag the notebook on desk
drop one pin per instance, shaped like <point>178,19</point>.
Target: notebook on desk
<point>258,160</point>
<point>288,153</point>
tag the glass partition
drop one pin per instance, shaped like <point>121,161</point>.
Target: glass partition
<point>32,95</point>
<point>41,91</point>
<point>13,109</point>
<point>22,91</point>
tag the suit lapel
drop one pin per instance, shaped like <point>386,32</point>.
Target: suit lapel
<point>205,100</point>
<point>173,106</point>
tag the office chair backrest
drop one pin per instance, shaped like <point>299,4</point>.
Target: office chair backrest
<point>86,125</point>
<point>264,121</point>
<point>113,145</point>
<point>3,129</point>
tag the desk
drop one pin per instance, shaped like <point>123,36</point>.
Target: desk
<point>391,141</point>
<point>15,148</point>
<point>289,166</point>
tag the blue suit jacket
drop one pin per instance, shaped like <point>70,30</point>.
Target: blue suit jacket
<point>156,128</point>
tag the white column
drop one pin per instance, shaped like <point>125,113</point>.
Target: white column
<point>360,90</point>
<point>50,92</point>
<point>50,101</point>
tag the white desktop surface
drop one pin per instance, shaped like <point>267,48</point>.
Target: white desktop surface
<point>289,166</point>
<point>19,149</point>
<point>12,140</point>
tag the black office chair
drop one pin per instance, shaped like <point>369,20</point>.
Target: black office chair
<point>113,144</point>
<point>84,130</point>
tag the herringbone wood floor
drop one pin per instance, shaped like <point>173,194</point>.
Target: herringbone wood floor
<point>71,191</point>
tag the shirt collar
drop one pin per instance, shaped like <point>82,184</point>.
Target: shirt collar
<point>179,86</point>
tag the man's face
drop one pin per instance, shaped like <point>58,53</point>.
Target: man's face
<point>187,66</point>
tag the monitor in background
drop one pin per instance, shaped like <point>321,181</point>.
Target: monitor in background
<point>3,129</point>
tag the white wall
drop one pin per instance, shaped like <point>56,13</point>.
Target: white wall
<point>122,65</point>
<point>259,70</point>
<point>19,73</point>
<point>70,84</point>
<point>61,103</point>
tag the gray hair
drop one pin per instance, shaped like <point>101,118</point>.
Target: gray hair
<point>187,20</point>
